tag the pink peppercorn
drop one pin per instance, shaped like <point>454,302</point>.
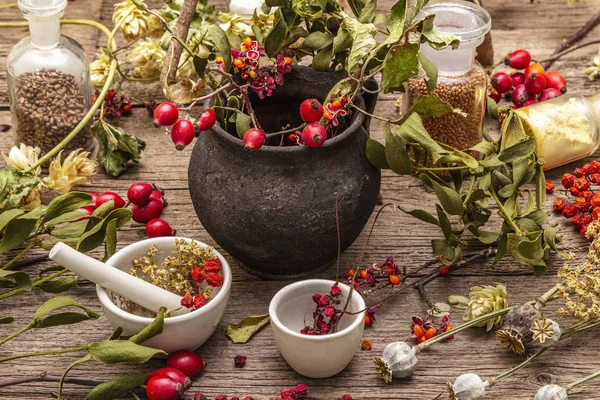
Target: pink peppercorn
<point>221,397</point>
<point>287,393</point>
<point>346,397</point>
<point>301,390</point>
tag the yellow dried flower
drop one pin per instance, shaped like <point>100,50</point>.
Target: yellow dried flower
<point>149,58</point>
<point>542,330</point>
<point>263,21</point>
<point>135,22</point>
<point>31,201</point>
<point>73,171</point>
<point>22,158</point>
<point>593,72</point>
<point>99,69</point>
<point>236,27</point>
<point>484,300</point>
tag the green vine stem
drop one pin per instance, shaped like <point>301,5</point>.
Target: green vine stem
<point>9,5</point>
<point>582,381</point>
<point>44,377</point>
<point>34,284</point>
<point>44,353</point>
<point>21,254</point>
<point>511,371</point>
<point>17,333</point>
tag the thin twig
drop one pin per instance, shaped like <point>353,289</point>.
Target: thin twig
<point>572,49</point>
<point>44,377</point>
<point>339,242</point>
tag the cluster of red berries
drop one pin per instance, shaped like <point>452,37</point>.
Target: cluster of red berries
<point>114,105</point>
<point>326,316</point>
<point>298,392</point>
<point>171,382</point>
<point>209,273</point>
<point>586,207</point>
<point>424,329</point>
<point>528,87</point>
<point>387,273</point>
<point>183,131</point>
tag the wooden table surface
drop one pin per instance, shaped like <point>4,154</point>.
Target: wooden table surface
<point>539,27</point>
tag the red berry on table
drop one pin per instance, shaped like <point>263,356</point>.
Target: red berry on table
<point>567,180</point>
<point>517,78</point>
<point>556,81</point>
<point>311,110</point>
<point>239,361</point>
<point>579,172</point>
<point>165,114</point>
<point>559,205</point>
<point>583,231</point>
<point>569,211</point>
<point>158,228</point>
<point>549,186</point>
<point>207,120</point>
<point>254,139</point>
<point>595,213</point>
<point>581,204</point>
<point>139,193</point>
<point>418,330</point>
<point>593,168</point>
<point>535,83</point>
<point>530,103</point>
<point>518,59</point>
<point>496,97</point>
<point>336,105</point>
<point>187,362</point>
<point>368,320</point>
<point>581,184</point>
<point>314,135</point>
<point>157,195</point>
<point>182,133</point>
<point>501,82</point>
<point>143,214</point>
<point>161,387</point>
<point>521,95</point>
<point>172,373</point>
<point>394,279</point>
<point>448,328</point>
<point>430,332</point>
<point>574,192</point>
<point>536,68</point>
<point>587,195</point>
<point>108,196</point>
<point>94,197</point>
<point>595,201</point>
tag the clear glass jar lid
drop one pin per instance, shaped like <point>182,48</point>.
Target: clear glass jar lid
<point>42,8</point>
<point>461,18</point>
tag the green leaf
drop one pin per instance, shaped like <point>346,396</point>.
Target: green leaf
<point>6,320</point>
<point>21,278</point>
<point>66,318</point>
<point>444,222</point>
<point>437,39</point>
<point>243,122</point>
<point>312,9</point>
<point>276,37</point>
<point>507,191</point>
<point>73,230</point>
<point>9,215</point>
<point>110,240</point>
<point>485,181</point>
<point>363,41</point>
<point>488,237</point>
<point>485,148</point>
<point>118,351</point>
<point>116,388</point>
<point>247,327</point>
<point>459,157</point>
<point>218,38</point>
<point>428,106</point>
<point>422,215</point>
<point>96,236</point>
<point>444,250</point>
<point>116,148</point>
<point>14,186</point>
<point>18,230</point>
<point>342,41</point>
<point>376,154</point>
<point>449,198</point>
<point>59,285</point>
<point>200,65</point>
<point>401,15</point>
<point>66,203</point>
<point>71,216</point>
<point>440,310</point>
<point>395,152</point>
<point>525,250</point>
<point>431,72</point>
<point>400,65</point>
<point>61,302</point>
<point>502,247</point>
<point>413,130</point>
<point>368,13</point>
<point>492,108</point>
<point>460,302</point>
<point>154,328</point>
<point>540,189</point>
<point>322,60</point>
<point>317,40</point>
<point>518,151</point>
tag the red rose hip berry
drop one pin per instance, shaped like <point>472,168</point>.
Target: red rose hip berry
<point>182,133</point>
<point>143,214</point>
<point>172,373</point>
<point>158,228</point>
<point>162,387</point>
<point>502,82</point>
<point>108,196</point>
<point>535,83</point>
<point>520,96</point>
<point>518,59</point>
<point>187,362</point>
<point>254,139</point>
<point>311,110</point>
<point>139,193</point>
<point>314,135</point>
<point>549,94</point>
<point>517,78</point>
<point>207,120</point>
<point>165,114</point>
<point>555,80</point>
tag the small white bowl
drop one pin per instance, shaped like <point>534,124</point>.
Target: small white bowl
<point>314,356</point>
<point>184,332</point>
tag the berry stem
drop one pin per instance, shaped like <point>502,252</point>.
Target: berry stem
<point>44,353</point>
<point>44,377</point>
<point>17,333</point>
<point>38,282</point>
<point>511,371</point>
<point>25,263</point>
<point>290,130</point>
<point>572,49</point>
<point>582,381</point>
<point>208,96</point>
<point>21,254</point>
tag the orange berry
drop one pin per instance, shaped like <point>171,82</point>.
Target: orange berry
<point>248,42</point>
<point>368,321</point>
<point>336,105</point>
<point>345,100</point>
<point>350,272</point>
<point>219,60</point>
<point>253,74</point>
<point>364,274</point>
<point>418,330</point>
<point>327,115</point>
<point>430,332</point>
<point>444,270</point>
<point>238,63</point>
<point>245,76</point>
<point>292,137</point>
<point>421,339</point>
<point>394,279</point>
<point>449,328</point>
<point>288,60</point>
<point>366,345</point>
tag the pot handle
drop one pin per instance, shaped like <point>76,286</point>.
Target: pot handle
<point>370,100</point>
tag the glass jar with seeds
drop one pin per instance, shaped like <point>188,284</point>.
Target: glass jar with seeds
<point>48,81</point>
<point>462,82</point>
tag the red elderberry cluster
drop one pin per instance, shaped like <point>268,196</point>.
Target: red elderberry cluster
<point>586,206</point>
<point>115,105</point>
<point>424,329</point>
<point>209,273</point>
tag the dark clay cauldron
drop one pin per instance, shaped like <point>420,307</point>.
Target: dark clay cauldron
<point>274,209</point>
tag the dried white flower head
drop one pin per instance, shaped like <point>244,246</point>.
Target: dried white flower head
<point>149,58</point>
<point>593,72</point>
<point>398,360</point>
<point>545,331</point>
<point>73,171</point>
<point>22,158</point>
<point>484,300</point>
<point>551,392</point>
<point>99,69</point>
<point>31,201</point>
<point>236,28</point>
<point>467,387</point>
<point>135,22</point>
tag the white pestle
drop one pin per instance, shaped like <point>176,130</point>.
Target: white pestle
<point>132,288</point>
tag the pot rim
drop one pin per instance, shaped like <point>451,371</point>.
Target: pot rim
<point>324,338</point>
<point>357,120</point>
<point>221,297</point>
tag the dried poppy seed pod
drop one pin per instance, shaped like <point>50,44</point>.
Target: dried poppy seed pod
<point>546,332</point>
<point>516,329</point>
<point>551,392</point>
<point>467,387</point>
<point>398,360</point>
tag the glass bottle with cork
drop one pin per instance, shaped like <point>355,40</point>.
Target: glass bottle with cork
<point>48,81</point>
<point>462,81</point>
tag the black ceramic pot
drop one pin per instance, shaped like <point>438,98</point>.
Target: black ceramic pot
<point>274,209</point>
